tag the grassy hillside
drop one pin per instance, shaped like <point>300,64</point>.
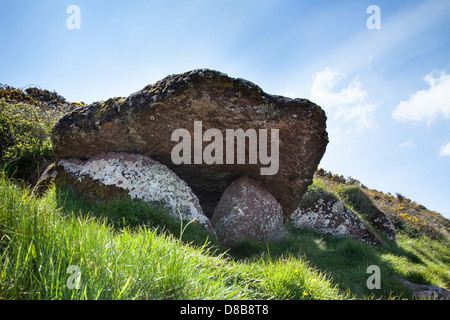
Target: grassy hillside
<point>119,258</point>
<point>408,216</point>
<point>129,250</point>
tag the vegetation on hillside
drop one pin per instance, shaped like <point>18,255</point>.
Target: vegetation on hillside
<point>126,249</point>
<point>35,96</point>
<point>407,216</point>
<point>26,120</point>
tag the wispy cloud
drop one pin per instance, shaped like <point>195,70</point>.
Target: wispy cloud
<point>400,31</point>
<point>408,144</point>
<point>350,104</point>
<point>445,150</point>
<point>427,105</point>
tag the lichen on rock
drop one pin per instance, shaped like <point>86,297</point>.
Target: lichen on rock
<point>329,216</point>
<point>137,176</point>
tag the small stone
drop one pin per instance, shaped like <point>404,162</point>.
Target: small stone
<point>247,210</point>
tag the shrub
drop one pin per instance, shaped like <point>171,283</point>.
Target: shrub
<point>25,138</point>
<point>355,197</point>
<point>316,191</point>
<point>400,197</point>
<point>45,96</point>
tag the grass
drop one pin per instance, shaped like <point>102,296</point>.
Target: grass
<point>429,262</point>
<point>422,253</point>
<point>123,252</point>
<point>343,260</point>
<point>130,214</point>
<point>40,240</point>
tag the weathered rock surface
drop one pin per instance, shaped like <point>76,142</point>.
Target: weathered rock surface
<point>144,122</point>
<point>114,175</point>
<point>329,216</point>
<point>382,223</point>
<point>247,210</point>
<point>426,292</point>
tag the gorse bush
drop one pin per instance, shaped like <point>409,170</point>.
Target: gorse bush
<point>45,96</point>
<point>26,120</point>
<point>34,96</point>
<point>10,93</point>
<point>25,143</point>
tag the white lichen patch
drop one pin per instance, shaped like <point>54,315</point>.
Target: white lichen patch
<point>143,179</point>
<point>331,218</point>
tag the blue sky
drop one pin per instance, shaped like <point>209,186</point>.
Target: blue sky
<point>386,91</point>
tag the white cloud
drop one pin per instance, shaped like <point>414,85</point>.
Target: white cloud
<point>427,105</point>
<point>349,104</point>
<point>408,144</point>
<point>445,150</point>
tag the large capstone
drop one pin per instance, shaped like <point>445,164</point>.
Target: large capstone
<point>209,129</point>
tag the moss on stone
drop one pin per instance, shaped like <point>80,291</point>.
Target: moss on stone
<point>104,106</point>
